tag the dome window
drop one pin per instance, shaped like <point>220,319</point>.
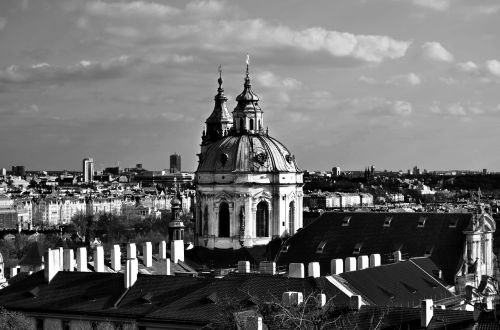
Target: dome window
<point>262,222</point>
<point>224,221</point>
<point>223,159</point>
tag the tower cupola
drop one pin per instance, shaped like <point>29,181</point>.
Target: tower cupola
<point>248,116</point>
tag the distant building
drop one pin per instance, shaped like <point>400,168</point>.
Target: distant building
<point>335,171</point>
<point>3,172</point>
<point>18,170</point>
<point>88,170</point>
<point>175,163</point>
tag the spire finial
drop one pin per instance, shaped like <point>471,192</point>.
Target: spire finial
<point>220,78</point>
<point>248,63</point>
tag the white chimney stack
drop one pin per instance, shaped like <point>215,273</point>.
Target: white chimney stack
<point>292,298</point>
<point>426,312</point>
<point>397,256</point>
<point>51,260</point>
<point>147,254</point>
<point>356,302</point>
<point>313,269</point>
<point>162,250</point>
<point>167,270</point>
<point>321,300</point>
<point>177,250</point>
<point>69,260</point>
<point>375,260</point>
<point>363,262</point>
<point>336,266</point>
<point>99,259</point>
<point>131,251</point>
<point>350,264</point>
<point>296,270</point>
<point>116,263</point>
<point>243,267</point>
<point>131,269</point>
<point>14,271</point>
<point>267,267</point>
<point>61,258</point>
<point>81,259</point>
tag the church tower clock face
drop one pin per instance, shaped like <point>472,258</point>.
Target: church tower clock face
<point>248,185</point>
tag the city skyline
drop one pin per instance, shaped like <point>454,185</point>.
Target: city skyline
<point>346,83</point>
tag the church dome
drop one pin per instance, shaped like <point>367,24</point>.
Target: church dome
<point>247,153</point>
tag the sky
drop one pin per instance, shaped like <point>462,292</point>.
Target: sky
<point>348,83</point>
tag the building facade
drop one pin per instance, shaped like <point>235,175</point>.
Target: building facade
<point>175,163</point>
<point>88,170</point>
<point>248,185</point>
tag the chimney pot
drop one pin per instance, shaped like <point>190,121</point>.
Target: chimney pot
<point>243,267</point>
<point>116,263</point>
<point>147,254</point>
<point>131,251</point>
<point>375,260</point>
<point>426,312</point>
<point>168,271</point>
<point>177,250</point>
<point>313,269</point>
<point>337,266</point>
<point>362,262</point>
<point>267,267</point>
<point>81,259</point>
<point>162,250</point>
<point>350,264</point>
<point>99,259</point>
<point>131,269</point>
<point>296,270</point>
<point>69,260</point>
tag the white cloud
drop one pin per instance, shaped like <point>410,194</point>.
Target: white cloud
<point>411,79</point>
<point>439,5</point>
<point>493,67</point>
<point>402,108</point>
<point>123,9</point>
<point>469,67</point>
<point>436,52</point>
<point>458,109</point>
<point>3,23</point>
<point>269,79</point>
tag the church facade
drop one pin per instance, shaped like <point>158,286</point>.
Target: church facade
<point>248,184</point>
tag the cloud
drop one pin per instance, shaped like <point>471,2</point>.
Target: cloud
<point>469,67</point>
<point>458,109</point>
<point>402,108</point>
<point>83,70</point>
<point>434,51</point>
<point>493,67</point>
<point>488,72</point>
<point>134,8</point>
<point>438,5</point>
<point>411,79</point>
<point>269,79</point>
<point>3,23</point>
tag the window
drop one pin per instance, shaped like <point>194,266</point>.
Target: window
<point>421,222</point>
<point>242,124</point>
<point>387,221</point>
<point>291,217</point>
<point>66,325</point>
<point>262,221</point>
<point>224,224</point>
<point>357,248</point>
<point>321,247</point>
<point>346,221</point>
<point>251,124</point>
<point>452,224</point>
<point>39,324</point>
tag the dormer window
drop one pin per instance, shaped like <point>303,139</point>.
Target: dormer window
<point>357,248</point>
<point>421,222</point>
<point>387,221</point>
<point>321,247</point>
<point>346,221</point>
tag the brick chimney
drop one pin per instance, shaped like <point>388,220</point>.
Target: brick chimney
<point>131,251</point>
<point>267,267</point>
<point>350,264</point>
<point>69,260</point>
<point>296,270</point>
<point>313,269</point>
<point>337,266</point>
<point>52,264</point>
<point>375,260</point>
<point>162,250</point>
<point>362,262</point>
<point>147,254</point>
<point>243,267</point>
<point>131,269</point>
<point>177,250</point>
<point>99,259</point>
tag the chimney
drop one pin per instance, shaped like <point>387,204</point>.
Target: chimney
<point>14,271</point>
<point>336,266</point>
<point>162,250</point>
<point>51,259</point>
<point>362,262</point>
<point>397,256</point>
<point>244,267</point>
<point>131,269</point>
<point>267,267</point>
<point>61,258</point>
<point>69,260</point>
<point>168,271</point>
<point>147,254</point>
<point>81,259</point>
<point>99,259</point>
<point>253,322</point>
<point>313,269</point>
<point>375,260</point>
<point>292,298</point>
<point>426,312</point>
<point>356,302</point>
<point>321,300</point>
<point>131,251</point>
<point>350,264</point>
<point>177,250</point>
<point>296,270</point>
<point>116,263</point>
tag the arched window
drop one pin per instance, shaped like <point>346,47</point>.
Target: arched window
<point>262,222</point>
<point>242,124</point>
<point>224,220</point>
<point>291,218</point>
<point>251,124</point>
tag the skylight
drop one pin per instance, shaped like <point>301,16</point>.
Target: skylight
<point>284,248</point>
<point>387,221</point>
<point>453,224</point>
<point>346,221</point>
<point>421,222</point>
<point>321,247</point>
<point>357,248</point>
